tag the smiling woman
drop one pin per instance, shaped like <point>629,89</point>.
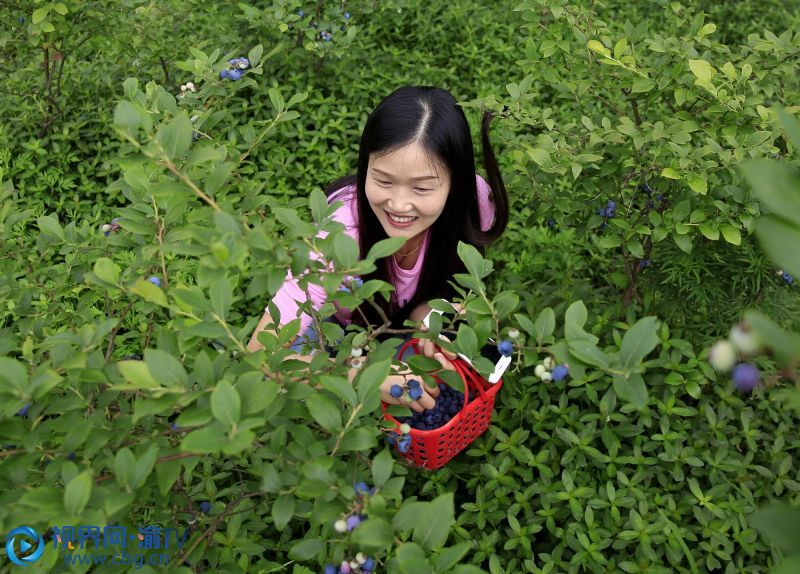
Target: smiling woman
<point>415,179</point>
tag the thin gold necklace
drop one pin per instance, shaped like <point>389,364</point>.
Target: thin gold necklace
<point>409,253</point>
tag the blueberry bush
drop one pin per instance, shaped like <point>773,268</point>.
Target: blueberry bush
<point>149,212</point>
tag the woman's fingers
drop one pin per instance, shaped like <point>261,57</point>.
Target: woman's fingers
<point>444,361</point>
<point>426,401</point>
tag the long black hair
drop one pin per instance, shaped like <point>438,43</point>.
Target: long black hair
<point>431,117</point>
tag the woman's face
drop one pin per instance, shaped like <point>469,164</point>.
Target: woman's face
<point>407,183</point>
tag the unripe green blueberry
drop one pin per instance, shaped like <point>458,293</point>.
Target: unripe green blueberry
<point>106,227</point>
<point>513,333</point>
<point>356,352</point>
<point>722,356</point>
<point>548,363</point>
<point>744,341</point>
<point>547,377</point>
<point>340,526</point>
<point>539,371</point>
<point>405,428</point>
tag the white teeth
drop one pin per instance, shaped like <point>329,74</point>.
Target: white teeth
<point>400,219</point>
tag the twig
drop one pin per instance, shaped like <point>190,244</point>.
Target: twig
<point>117,327</point>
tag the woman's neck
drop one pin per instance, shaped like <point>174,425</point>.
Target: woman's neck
<point>412,245</point>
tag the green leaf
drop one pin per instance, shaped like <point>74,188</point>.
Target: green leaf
<point>166,368</point>
<point>306,549</point>
<point>107,270</point>
<point>411,559</point>
<point>451,556</point>
<point>474,262</point>
<point>283,510</point>
<point>124,463</point>
<point>588,353</point>
<point>775,185</point>
<point>435,522</point>
<point>206,440</point>
<point>143,467</point>
<point>731,234</point>
<point>385,247</point>
<point>638,341</point>
<point>574,320</point>
<point>345,251</point>
<point>382,466</point>
<point>780,240</point>
<point>254,55</point>
<point>466,340</point>
<point>684,242</point>
<point>340,387</point>
<point>701,69</point>
<point>40,14</point>
<point>225,403</point>
<point>596,46</point>
<point>77,493</point>
<point>49,225</point>
<point>326,412</point>
<point>779,524</point>
<point>670,173</point>
<point>698,184</point>
<point>360,438</point>
<point>545,323</point>
<point>368,383</point>
<point>318,203</point>
<point>631,389</point>
<point>276,99</point>
<point>221,294</point>
<point>175,137</point>
<point>149,292</point>
<point>137,373</point>
<point>373,533</point>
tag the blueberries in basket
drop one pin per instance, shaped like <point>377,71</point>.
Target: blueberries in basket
<point>448,404</point>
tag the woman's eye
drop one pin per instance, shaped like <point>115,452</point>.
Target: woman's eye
<point>421,189</point>
<point>383,182</point>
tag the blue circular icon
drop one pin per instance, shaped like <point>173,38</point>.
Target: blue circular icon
<point>23,546</point>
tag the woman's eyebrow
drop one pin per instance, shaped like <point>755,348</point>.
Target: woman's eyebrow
<point>414,178</point>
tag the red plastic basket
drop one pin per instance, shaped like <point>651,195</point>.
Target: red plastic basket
<point>434,448</point>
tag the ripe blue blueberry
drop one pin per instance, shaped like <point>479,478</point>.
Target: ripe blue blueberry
<point>415,394</point>
<point>353,521</point>
<point>396,391</point>
<point>361,488</point>
<point>506,347</point>
<point>347,15</point>
<point>559,372</point>
<point>413,384</point>
<point>368,565</point>
<point>745,376</point>
<point>788,278</point>
<point>234,75</point>
<point>551,223</point>
<point>660,197</point>
<point>23,412</point>
<point>223,74</point>
<point>359,282</point>
<point>330,569</point>
<point>644,263</point>
<point>22,19</point>
<point>601,212</point>
<point>243,63</point>
<point>71,456</point>
<point>645,188</point>
<point>205,507</point>
<point>154,280</point>
<point>301,13</point>
<point>611,204</point>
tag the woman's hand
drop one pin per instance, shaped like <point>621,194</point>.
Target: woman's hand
<point>430,349</point>
<point>426,401</point>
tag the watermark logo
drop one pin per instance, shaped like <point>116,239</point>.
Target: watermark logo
<point>17,547</point>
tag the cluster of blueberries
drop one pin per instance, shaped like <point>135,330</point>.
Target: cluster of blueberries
<point>360,564</point>
<point>237,67</point>
<point>724,354</point>
<point>786,277</point>
<point>448,403</point>
<point>324,34</point>
<point>648,191</point>
<point>609,210</point>
<point>107,228</point>
<point>644,263</point>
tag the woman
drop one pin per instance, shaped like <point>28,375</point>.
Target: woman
<point>415,179</point>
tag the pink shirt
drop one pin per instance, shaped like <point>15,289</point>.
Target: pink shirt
<point>290,295</point>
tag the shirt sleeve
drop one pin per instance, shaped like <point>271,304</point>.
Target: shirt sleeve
<point>485,205</point>
<point>290,295</point>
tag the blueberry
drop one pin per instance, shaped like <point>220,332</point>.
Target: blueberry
<point>396,391</point>
<point>601,212</point>
<point>644,263</point>
<point>506,347</point>
<point>243,63</point>
<point>660,197</point>
<point>223,74</point>
<point>391,439</point>
<point>368,565</point>
<point>611,205</point>
<point>175,426</point>
<point>22,19</point>
<point>301,13</point>
<point>23,412</point>
<point>645,188</point>
<point>205,507</point>
<point>71,456</point>
<point>413,384</point>
<point>559,372</point>
<point>347,15</point>
<point>154,280</point>
<point>234,75</point>
<point>551,223</point>
<point>341,28</point>
<point>415,394</point>
<point>745,377</point>
<point>361,488</point>
<point>353,521</point>
<point>788,278</point>
<point>330,569</point>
